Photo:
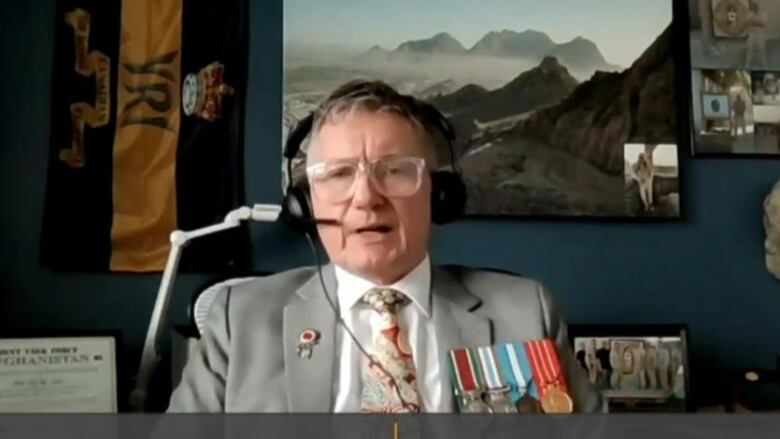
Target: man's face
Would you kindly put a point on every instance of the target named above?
(380, 238)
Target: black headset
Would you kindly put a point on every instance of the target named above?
(448, 191)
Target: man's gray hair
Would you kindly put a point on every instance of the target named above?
(377, 96)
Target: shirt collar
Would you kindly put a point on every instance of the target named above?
(416, 285)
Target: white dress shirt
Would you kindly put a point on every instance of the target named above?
(416, 319)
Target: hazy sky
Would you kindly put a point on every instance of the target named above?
(618, 27)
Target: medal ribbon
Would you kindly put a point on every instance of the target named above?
(541, 375)
(490, 368)
(525, 367)
(457, 383)
(463, 370)
(510, 368)
(545, 365)
(476, 366)
(554, 363)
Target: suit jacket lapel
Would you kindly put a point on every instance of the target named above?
(310, 381)
(457, 325)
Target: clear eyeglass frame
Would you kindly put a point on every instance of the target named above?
(392, 176)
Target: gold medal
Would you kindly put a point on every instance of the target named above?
(549, 376)
(557, 401)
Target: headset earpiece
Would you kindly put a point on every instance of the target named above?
(448, 196)
(296, 210)
(296, 204)
(448, 191)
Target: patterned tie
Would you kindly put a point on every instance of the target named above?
(381, 393)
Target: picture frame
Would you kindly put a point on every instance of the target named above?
(637, 367)
(734, 103)
(61, 372)
(541, 117)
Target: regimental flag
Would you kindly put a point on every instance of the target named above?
(146, 133)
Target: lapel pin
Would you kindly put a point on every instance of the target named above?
(306, 342)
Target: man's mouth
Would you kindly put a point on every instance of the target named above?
(378, 228)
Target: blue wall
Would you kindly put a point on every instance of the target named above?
(706, 271)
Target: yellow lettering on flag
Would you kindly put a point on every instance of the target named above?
(146, 135)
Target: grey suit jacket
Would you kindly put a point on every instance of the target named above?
(246, 360)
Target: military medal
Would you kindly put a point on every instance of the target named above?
(557, 401)
(517, 373)
(548, 374)
(306, 342)
(497, 389)
(528, 405)
(473, 403)
(466, 379)
(498, 400)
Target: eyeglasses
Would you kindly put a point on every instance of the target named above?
(394, 176)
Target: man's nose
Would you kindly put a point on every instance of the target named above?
(366, 195)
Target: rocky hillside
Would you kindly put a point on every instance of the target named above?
(543, 85)
(611, 109)
(582, 54)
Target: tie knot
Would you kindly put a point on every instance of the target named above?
(385, 299)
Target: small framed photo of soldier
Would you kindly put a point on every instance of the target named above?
(723, 112)
(638, 368)
(651, 180)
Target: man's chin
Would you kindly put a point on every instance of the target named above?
(374, 238)
(376, 267)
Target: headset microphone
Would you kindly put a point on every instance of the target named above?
(305, 224)
(326, 222)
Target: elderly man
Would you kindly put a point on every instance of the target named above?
(276, 344)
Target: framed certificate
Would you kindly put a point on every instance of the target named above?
(64, 373)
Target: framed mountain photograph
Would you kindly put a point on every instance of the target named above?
(544, 96)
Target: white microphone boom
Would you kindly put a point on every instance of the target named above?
(151, 355)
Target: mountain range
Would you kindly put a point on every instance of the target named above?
(579, 53)
(526, 44)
